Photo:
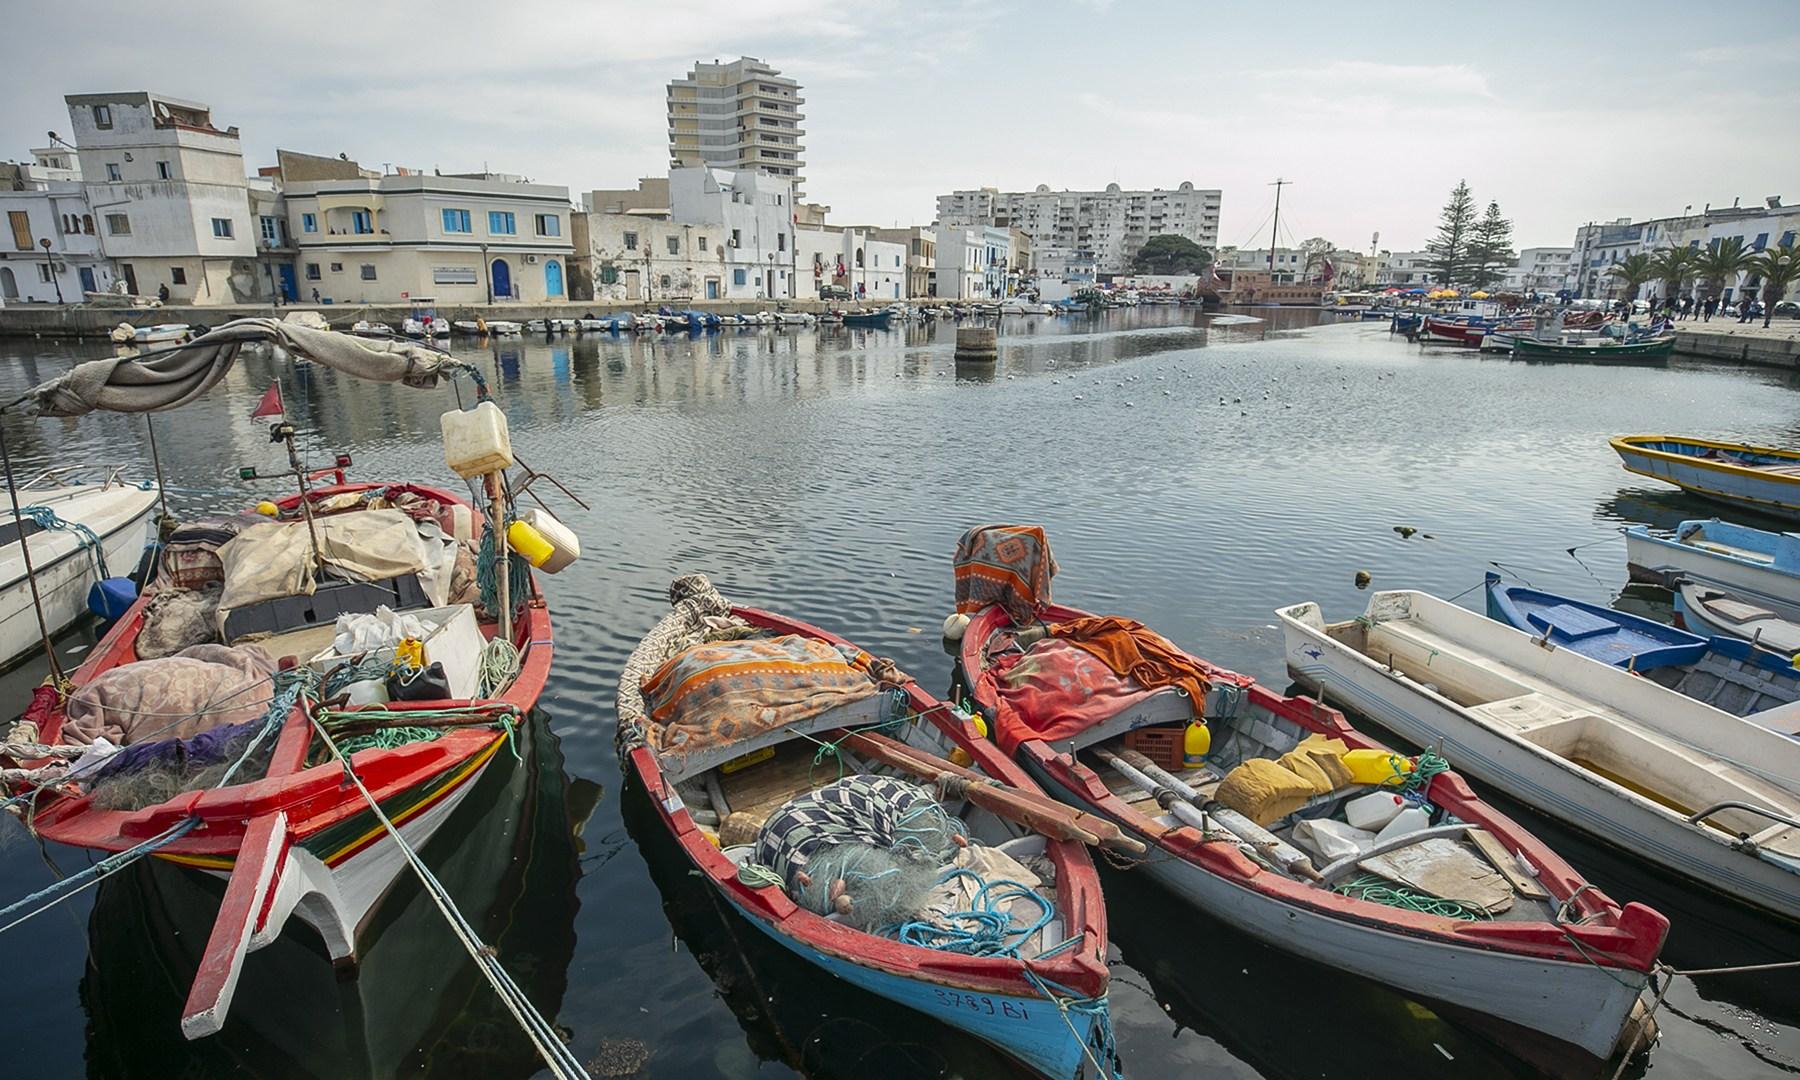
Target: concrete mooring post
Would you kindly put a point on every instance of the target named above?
(977, 345)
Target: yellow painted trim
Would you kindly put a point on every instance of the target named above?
(419, 807)
(1624, 443)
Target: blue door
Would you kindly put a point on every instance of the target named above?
(87, 279)
(553, 278)
(501, 275)
(289, 290)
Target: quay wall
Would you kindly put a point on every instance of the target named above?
(1758, 346)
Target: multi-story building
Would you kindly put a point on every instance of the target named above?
(1114, 224)
(960, 273)
(920, 245)
(753, 214)
(1599, 246)
(50, 252)
(1538, 270)
(1411, 269)
(1289, 265)
(169, 192)
(364, 237)
(741, 115)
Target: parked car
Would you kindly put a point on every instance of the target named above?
(1790, 308)
(834, 292)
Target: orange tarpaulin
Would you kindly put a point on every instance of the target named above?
(1137, 652)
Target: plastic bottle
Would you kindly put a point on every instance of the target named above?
(565, 548)
(1374, 810)
(1196, 741)
(476, 441)
(1409, 820)
(528, 542)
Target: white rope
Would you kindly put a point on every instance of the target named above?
(550, 1047)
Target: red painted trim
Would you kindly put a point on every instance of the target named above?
(1079, 903)
(1627, 937)
(254, 881)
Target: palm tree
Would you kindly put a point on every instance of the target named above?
(1673, 266)
(1716, 265)
(1779, 267)
(1632, 271)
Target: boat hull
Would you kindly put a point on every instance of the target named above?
(1552, 785)
(1579, 1004)
(65, 570)
(1644, 352)
(1675, 461)
(1667, 562)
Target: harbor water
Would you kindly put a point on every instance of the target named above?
(1194, 472)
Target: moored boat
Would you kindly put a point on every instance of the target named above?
(1692, 791)
(1755, 563)
(1454, 331)
(256, 643)
(1048, 679)
(866, 318)
(1706, 608)
(1718, 670)
(79, 536)
(729, 769)
(1598, 350)
(1764, 478)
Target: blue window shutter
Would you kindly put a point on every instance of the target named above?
(1762, 241)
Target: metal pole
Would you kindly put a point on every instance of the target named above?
(305, 503)
(37, 602)
(162, 488)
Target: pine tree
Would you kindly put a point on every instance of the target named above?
(1450, 251)
(1490, 249)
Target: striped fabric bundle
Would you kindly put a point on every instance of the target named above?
(1009, 565)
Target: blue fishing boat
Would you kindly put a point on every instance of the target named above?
(1764, 478)
(866, 318)
(1753, 563)
(1730, 675)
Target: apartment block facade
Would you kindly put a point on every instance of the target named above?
(742, 115)
(1114, 224)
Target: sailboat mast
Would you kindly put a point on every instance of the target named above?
(1275, 226)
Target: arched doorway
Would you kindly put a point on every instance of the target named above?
(553, 285)
(501, 275)
(9, 285)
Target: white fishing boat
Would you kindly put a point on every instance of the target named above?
(363, 328)
(502, 328)
(796, 318)
(1685, 787)
(127, 334)
(429, 327)
(1753, 563)
(1707, 609)
(78, 534)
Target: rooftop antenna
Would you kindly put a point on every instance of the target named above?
(1278, 184)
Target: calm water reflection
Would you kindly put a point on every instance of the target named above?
(1192, 475)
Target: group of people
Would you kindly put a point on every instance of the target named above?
(1671, 309)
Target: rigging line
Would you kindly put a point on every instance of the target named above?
(1254, 233)
(550, 1047)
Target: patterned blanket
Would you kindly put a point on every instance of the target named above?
(1009, 565)
(719, 693)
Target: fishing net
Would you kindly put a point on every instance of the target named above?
(150, 773)
(882, 887)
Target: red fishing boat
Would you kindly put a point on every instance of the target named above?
(727, 788)
(1454, 331)
(1250, 804)
(298, 704)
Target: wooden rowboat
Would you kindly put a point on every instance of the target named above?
(1576, 982)
(1688, 789)
(294, 838)
(1046, 1009)
(1764, 478)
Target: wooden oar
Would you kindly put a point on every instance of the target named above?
(1038, 812)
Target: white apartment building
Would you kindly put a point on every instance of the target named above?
(740, 115)
(961, 264)
(1598, 246)
(366, 238)
(753, 214)
(920, 245)
(1114, 224)
(71, 265)
(1405, 269)
(1289, 265)
(168, 191)
(1539, 270)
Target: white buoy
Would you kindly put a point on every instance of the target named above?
(955, 626)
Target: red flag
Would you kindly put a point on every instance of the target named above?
(270, 405)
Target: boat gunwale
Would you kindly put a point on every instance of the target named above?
(1082, 969)
(1623, 444)
(1629, 935)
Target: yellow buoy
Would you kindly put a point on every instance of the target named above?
(530, 543)
(1195, 743)
(268, 509)
(1376, 766)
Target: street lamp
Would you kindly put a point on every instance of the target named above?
(50, 268)
(487, 275)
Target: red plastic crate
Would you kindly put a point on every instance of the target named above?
(1163, 745)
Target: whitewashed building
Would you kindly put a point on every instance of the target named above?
(367, 238)
(961, 264)
(71, 265)
(1114, 224)
(1403, 269)
(920, 246)
(642, 256)
(169, 195)
(753, 215)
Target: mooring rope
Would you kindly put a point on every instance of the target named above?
(86, 538)
(550, 1047)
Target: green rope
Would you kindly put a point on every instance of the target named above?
(487, 573)
(388, 738)
(1379, 890)
(1427, 765)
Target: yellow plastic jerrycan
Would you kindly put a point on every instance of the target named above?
(1196, 742)
(1377, 767)
(528, 542)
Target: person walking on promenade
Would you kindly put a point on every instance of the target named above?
(1712, 306)
(1745, 307)
(1687, 303)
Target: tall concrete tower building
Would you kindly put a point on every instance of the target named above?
(741, 115)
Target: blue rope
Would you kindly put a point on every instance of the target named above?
(989, 929)
(47, 519)
(1105, 1050)
(58, 891)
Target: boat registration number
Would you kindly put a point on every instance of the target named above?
(981, 1003)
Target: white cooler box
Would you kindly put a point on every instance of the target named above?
(452, 638)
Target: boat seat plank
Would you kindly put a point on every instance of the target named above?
(1572, 623)
(1523, 884)
(762, 788)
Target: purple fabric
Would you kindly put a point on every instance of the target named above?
(207, 748)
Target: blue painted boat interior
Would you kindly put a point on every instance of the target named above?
(1612, 637)
(1781, 548)
(1744, 456)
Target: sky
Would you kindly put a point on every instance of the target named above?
(1562, 113)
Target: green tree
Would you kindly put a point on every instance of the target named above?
(1779, 268)
(1171, 255)
(1720, 263)
(1490, 249)
(1673, 265)
(1456, 228)
(1314, 254)
(1632, 271)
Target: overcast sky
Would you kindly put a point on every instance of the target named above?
(1561, 112)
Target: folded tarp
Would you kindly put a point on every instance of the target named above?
(275, 559)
